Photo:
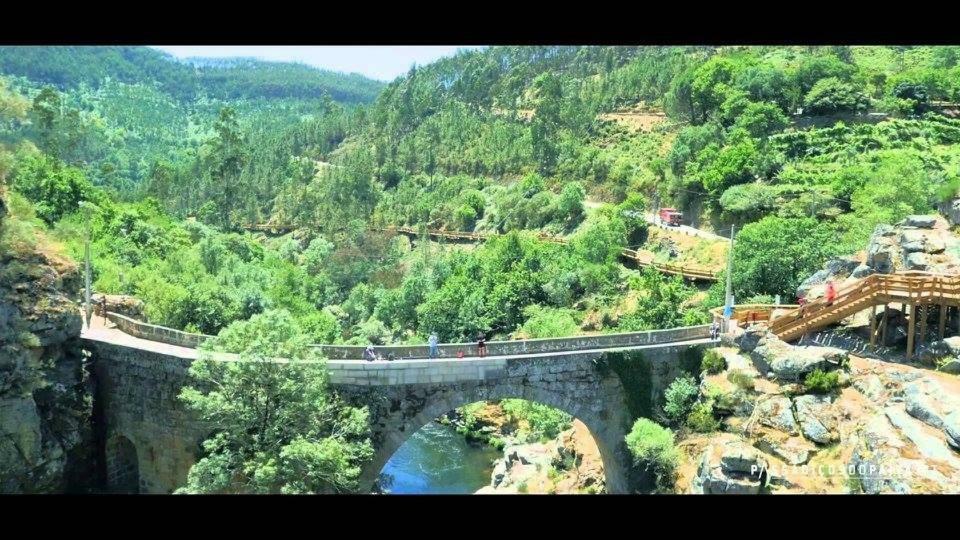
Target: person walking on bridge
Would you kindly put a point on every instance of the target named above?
(481, 344)
(369, 354)
(432, 341)
(831, 293)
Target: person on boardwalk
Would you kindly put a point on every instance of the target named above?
(433, 341)
(802, 301)
(369, 354)
(481, 344)
(831, 293)
(714, 330)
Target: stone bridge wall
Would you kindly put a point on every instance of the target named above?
(152, 332)
(137, 391)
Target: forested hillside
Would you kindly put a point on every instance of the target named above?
(125, 114)
(805, 148)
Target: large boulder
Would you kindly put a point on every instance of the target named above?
(882, 249)
(951, 209)
(916, 261)
(876, 458)
(730, 466)
(750, 338)
(815, 418)
(951, 365)
(835, 269)
(776, 412)
(921, 222)
(793, 363)
(862, 271)
(946, 351)
(925, 400)
(792, 450)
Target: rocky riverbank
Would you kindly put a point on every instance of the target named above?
(567, 463)
(880, 428)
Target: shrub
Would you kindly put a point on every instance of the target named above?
(679, 398)
(820, 382)
(741, 379)
(713, 362)
(652, 446)
(701, 419)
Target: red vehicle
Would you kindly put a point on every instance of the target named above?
(670, 216)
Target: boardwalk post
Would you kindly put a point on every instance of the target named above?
(943, 320)
(873, 326)
(910, 324)
(924, 313)
(87, 211)
(728, 298)
(883, 324)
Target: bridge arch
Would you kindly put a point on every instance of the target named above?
(607, 420)
(123, 465)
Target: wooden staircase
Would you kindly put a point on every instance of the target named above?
(915, 290)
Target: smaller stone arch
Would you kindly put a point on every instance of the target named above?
(123, 466)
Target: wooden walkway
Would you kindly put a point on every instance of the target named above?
(640, 257)
(918, 294)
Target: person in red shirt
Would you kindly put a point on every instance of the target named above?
(831, 293)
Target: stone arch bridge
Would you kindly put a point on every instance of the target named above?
(149, 440)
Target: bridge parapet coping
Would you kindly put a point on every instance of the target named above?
(170, 336)
(157, 333)
(527, 346)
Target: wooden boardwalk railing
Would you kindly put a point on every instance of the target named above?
(640, 257)
(918, 291)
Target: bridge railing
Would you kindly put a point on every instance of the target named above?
(153, 332)
(170, 336)
(747, 313)
(526, 346)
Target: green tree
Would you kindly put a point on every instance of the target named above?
(279, 427)
(679, 398)
(54, 188)
(831, 95)
(229, 155)
(652, 447)
(772, 256)
(546, 121)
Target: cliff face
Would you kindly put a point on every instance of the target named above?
(45, 404)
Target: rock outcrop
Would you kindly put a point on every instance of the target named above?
(784, 361)
(888, 427)
(916, 243)
(45, 403)
(730, 466)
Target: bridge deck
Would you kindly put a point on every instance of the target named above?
(105, 334)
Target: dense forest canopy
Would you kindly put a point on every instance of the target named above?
(804, 148)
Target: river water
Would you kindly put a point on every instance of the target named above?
(436, 459)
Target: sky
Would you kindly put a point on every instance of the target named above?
(377, 62)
